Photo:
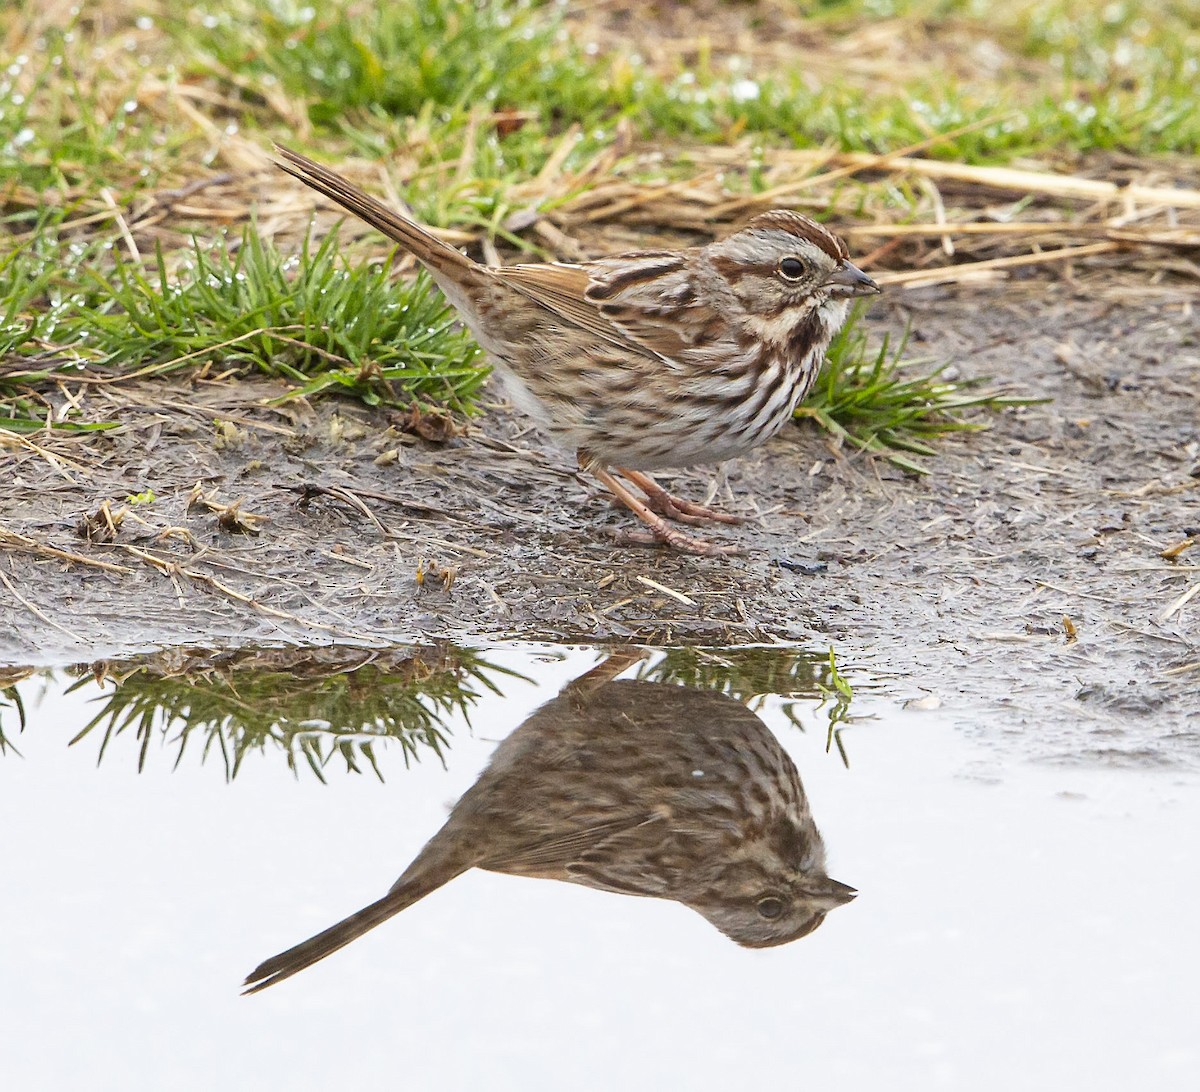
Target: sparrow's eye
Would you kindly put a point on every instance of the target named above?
(791, 269)
(770, 907)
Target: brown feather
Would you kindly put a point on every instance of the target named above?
(560, 288)
(803, 228)
(425, 246)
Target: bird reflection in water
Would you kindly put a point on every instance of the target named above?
(640, 788)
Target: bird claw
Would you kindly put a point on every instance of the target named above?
(659, 533)
(663, 503)
(686, 511)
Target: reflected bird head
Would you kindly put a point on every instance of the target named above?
(776, 911)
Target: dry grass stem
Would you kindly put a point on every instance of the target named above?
(11, 540)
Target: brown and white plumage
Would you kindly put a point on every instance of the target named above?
(649, 359)
(639, 788)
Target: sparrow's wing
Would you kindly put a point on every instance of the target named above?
(642, 302)
(560, 288)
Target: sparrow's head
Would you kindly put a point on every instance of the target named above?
(782, 262)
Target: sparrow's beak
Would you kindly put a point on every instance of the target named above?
(849, 280)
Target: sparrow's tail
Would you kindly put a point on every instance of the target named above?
(425, 247)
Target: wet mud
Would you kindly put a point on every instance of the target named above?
(1022, 582)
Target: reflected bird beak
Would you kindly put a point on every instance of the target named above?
(849, 280)
(829, 893)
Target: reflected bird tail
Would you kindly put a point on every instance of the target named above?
(426, 874)
(286, 964)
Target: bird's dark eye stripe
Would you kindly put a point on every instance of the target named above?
(792, 268)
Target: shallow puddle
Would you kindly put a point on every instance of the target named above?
(172, 822)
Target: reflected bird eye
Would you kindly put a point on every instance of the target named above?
(770, 907)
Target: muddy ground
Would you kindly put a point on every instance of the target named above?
(957, 583)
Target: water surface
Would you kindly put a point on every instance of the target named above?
(1017, 924)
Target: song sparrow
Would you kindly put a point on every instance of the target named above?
(650, 359)
(634, 787)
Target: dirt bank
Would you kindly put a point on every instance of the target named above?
(958, 582)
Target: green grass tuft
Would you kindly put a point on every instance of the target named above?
(869, 399)
(40, 296)
(313, 318)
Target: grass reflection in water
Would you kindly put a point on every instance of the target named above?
(313, 704)
(317, 704)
